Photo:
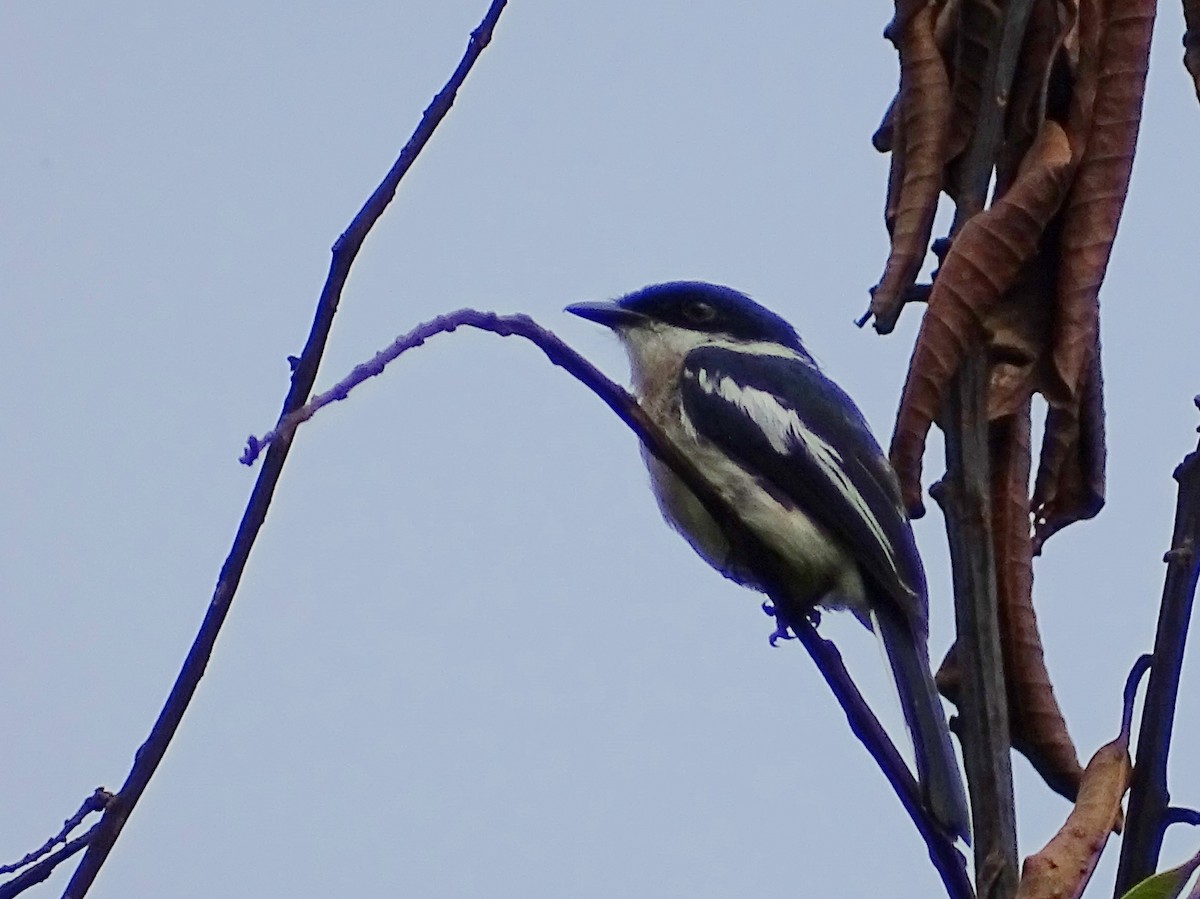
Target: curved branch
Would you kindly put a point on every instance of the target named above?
(1176, 815)
(949, 863)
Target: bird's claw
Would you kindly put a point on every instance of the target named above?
(781, 633)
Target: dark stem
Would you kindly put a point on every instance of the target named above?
(983, 708)
(1148, 796)
(965, 501)
(949, 863)
(304, 374)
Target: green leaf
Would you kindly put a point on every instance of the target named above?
(1166, 884)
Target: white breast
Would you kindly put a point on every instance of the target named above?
(821, 571)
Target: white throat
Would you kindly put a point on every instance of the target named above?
(656, 352)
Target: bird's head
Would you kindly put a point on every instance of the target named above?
(693, 312)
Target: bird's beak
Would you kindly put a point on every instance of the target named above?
(607, 313)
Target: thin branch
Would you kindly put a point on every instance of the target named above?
(304, 374)
(1176, 815)
(917, 293)
(97, 802)
(949, 863)
(43, 869)
(1148, 795)
(1133, 680)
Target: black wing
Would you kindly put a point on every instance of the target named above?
(787, 423)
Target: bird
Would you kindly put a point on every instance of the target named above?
(732, 386)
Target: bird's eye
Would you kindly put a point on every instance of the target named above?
(699, 312)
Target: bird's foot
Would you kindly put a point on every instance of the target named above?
(783, 631)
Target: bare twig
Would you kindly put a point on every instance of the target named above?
(949, 863)
(94, 803)
(946, 859)
(304, 374)
(1148, 795)
(43, 869)
(1133, 680)
(1176, 815)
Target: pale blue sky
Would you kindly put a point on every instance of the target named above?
(467, 658)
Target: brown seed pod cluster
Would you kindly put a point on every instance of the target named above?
(1021, 279)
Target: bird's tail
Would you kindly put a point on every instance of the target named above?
(937, 766)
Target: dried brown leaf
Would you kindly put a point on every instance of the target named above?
(983, 264)
(1018, 338)
(1009, 389)
(976, 27)
(895, 182)
(946, 26)
(1044, 36)
(1062, 869)
(905, 11)
(924, 107)
(1036, 722)
(1071, 482)
(884, 138)
(1093, 209)
(1085, 49)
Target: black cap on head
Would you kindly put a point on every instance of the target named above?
(700, 306)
